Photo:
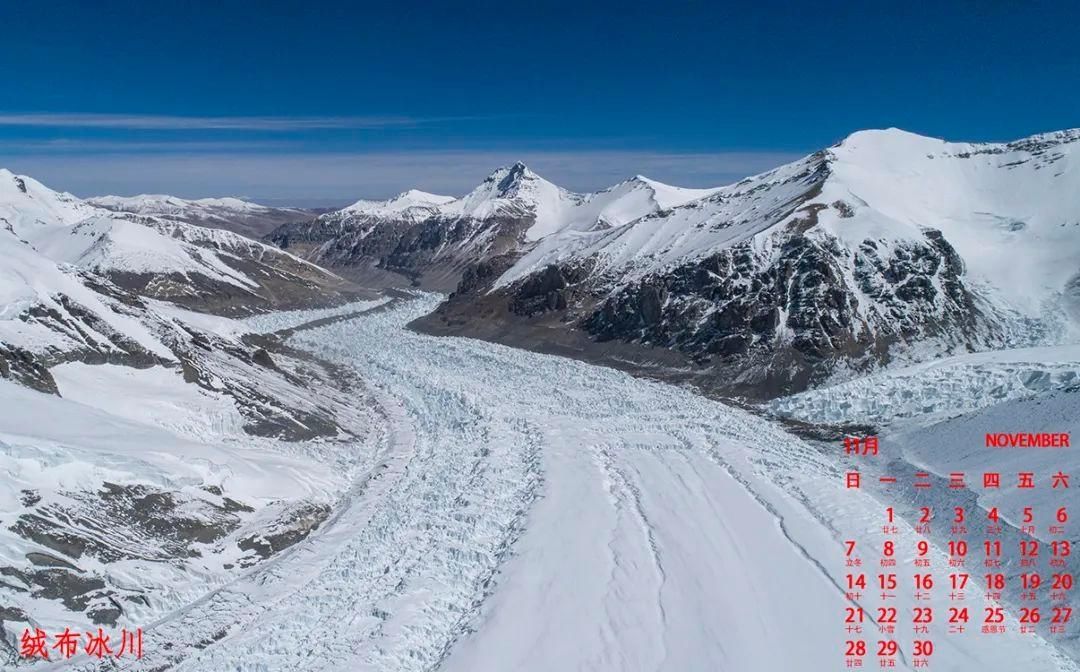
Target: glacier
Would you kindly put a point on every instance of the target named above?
(530, 512)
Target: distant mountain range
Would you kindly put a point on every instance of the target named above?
(433, 240)
(250, 219)
(888, 246)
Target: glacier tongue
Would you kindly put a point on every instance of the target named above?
(932, 391)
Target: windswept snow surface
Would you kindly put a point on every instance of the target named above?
(530, 512)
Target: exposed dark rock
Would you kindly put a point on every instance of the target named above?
(541, 292)
(294, 526)
(482, 273)
(26, 368)
(767, 323)
(46, 560)
(12, 614)
(844, 210)
(75, 591)
(263, 358)
(729, 305)
(433, 253)
(170, 526)
(105, 615)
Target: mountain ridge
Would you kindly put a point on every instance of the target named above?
(431, 243)
(233, 214)
(886, 247)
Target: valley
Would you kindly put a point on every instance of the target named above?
(568, 431)
(532, 509)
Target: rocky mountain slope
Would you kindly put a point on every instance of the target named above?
(158, 257)
(232, 214)
(432, 241)
(139, 439)
(886, 247)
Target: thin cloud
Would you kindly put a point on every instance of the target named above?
(184, 123)
(75, 146)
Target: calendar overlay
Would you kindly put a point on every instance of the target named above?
(982, 553)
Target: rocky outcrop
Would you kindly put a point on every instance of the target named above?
(432, 253)
(792, 316)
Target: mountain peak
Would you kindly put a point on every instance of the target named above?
(507, 178)
(418, 197)
(878, 137)
(18, 180)
(648, 183)
(406, 201)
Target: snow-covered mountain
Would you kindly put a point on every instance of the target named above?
(159, 257)
(888, 246)
(411, 205)
(232, 483)
(81, 283)
(122, 407)
(233, 214)
(434, 240)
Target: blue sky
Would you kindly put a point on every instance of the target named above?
(317, 103)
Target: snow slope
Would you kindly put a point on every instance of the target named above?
(934, 418)
(64, 238)
(29, 280)
(162, 204)
(657, 226)
(67, 230)
(134, 488)
(1011, 211)
(993, 202)
(105, 243)
(151, 434)
(958, 444)
(556, 210)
